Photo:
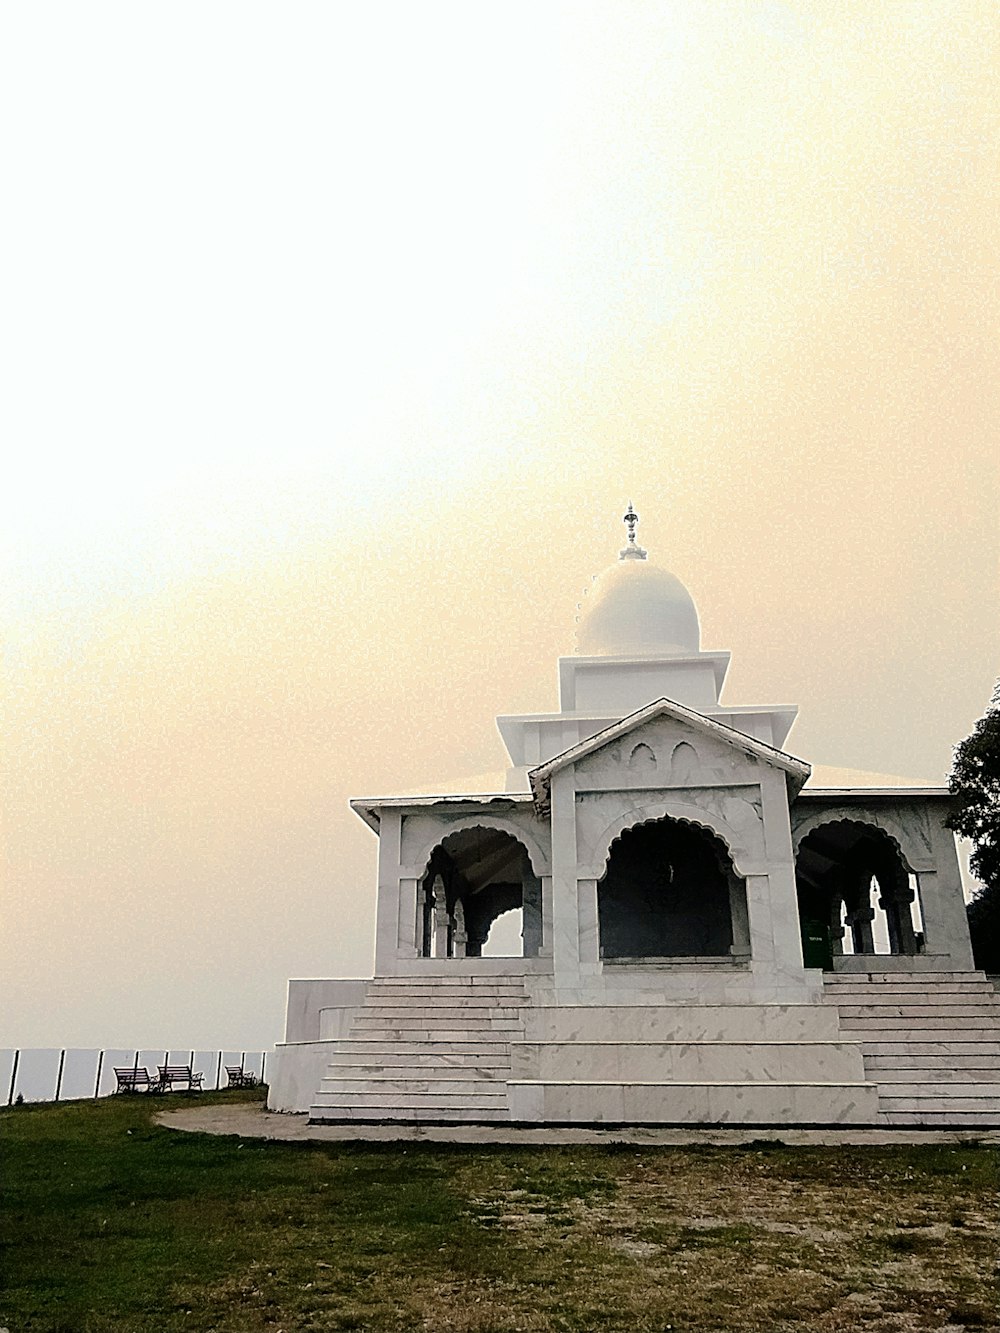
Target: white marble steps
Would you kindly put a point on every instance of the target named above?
(931, 1042)
(682, 1021)
(425, 1049)
(685, 1063)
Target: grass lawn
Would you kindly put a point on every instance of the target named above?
(111, 1223)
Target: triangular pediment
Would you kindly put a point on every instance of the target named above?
(669, 744)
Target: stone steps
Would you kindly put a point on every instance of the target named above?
(417, 1015)
(425, 1050)
(682, 1062)
(903, 979)
(682, 1022)
(931, 1041)
(922, 1071)
(365, 1113)
(496, 1049)
(937, 1014)
(691, 1102)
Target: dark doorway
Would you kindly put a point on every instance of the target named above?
(667, 893)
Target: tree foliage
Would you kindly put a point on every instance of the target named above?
(975, 781)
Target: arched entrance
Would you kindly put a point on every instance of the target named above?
(474, 876)
(670, 891)
(854, 894)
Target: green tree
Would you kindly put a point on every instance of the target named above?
(975, 781)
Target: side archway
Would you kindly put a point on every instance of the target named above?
(537, 854)
(854, 892)
(473, 876)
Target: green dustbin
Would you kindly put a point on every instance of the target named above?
(816, 948)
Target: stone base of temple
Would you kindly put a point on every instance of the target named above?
(479, 1050)
(880, 1048)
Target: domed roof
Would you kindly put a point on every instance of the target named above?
(636, 609)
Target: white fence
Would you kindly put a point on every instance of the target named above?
(51, 1075)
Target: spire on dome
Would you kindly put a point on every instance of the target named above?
(632, 551)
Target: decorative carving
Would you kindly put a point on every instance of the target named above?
(426, 830)
(603, 816)
(907, 826)
(681, 758)
(684, 764)
(642, 759)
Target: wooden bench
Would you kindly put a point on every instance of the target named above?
(135, 1079)
(171, 1075)
(240, 1077)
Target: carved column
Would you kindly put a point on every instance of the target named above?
(459, 938)
(896, 905)
(441, 919)
(860, 922)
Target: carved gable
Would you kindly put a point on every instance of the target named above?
(665, 752)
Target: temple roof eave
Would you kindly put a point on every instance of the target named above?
(369, 808)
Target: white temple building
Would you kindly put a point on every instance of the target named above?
(708, 937)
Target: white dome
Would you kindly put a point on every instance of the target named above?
(636, 609)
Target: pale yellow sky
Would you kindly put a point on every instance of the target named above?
(337, 339)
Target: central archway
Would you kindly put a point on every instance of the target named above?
(669, 890)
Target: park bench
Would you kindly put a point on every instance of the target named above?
(171, 1075)
(240, 1077)
(135, 1079)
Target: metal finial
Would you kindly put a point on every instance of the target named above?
(632, 551)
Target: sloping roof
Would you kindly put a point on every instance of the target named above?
(796, 769)
(368, 808)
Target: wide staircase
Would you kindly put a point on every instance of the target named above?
(689, 1064)
(426, 1049)
(930, 1040)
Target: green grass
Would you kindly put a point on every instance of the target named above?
(112, 1223)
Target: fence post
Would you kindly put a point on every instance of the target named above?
(218, 1072)
(97, 1080)
(13, 1078)
(59, 1076)
(263, 1065)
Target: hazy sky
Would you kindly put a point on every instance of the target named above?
(335, 340)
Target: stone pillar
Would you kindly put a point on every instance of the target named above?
(741, 921)
(837, 931)
(565, 902)
(589, 927)
(946, 927)
(896, 905)
(545, 949)
(773, 900)
(531, 915)
(759, 921)
(441, 919)
(860, 922)
(459, 938)
(408, 937)
(387, 905)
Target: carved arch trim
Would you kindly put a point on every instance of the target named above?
(537, 856)
(648, 814)
(907, 846)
